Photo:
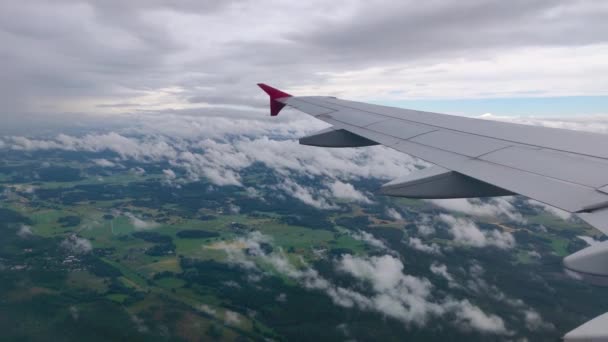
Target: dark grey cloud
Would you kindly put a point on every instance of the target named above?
(62, 50)
(104, 55)
(409, 30)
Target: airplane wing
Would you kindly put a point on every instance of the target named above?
(473, 157)
(477, 158)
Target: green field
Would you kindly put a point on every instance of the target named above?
(132, 258)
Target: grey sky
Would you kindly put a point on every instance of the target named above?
(80, 56)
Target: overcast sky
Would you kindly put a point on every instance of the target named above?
(115, 56)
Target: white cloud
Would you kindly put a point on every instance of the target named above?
(562, 214)
(393, 293)
(425, 229)
(206, 152)
(140, 325)
(286, 156)
(470, 317)
(24, 231)
(534, 321)
(394, 214)
(369, 239)
(231, 318)
(493, 207)
(218, 149)
(234, 209)
(252, 243)
(215, 170)
(140, 224)
(138, 171)
(169, 174)
(417, 244)
(346, 191)
(424, 226)
(25, 144)
(589, 240)
(253, 192)
(76, 244)
(397, 294)
(104, 162)
(28, 189)
(207, 309)
(467, 233)
(141, 149)
(442, 271)
(306, 195)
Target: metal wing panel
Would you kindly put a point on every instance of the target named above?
(378, 137)
(433, 155)
(465, 144)
(584, 143)
(305, 106)
(400, 129)
(592, 172)
(357, 118)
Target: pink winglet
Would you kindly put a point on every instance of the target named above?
(275, 106)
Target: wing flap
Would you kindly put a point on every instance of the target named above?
(438, 182)
(333, 137)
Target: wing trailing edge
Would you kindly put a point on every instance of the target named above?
(334, 137)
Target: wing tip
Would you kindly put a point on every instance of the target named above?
(274, 93)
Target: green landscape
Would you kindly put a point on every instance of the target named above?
(97, 253)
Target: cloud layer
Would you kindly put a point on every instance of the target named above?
(393, 293)
(84, 56)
